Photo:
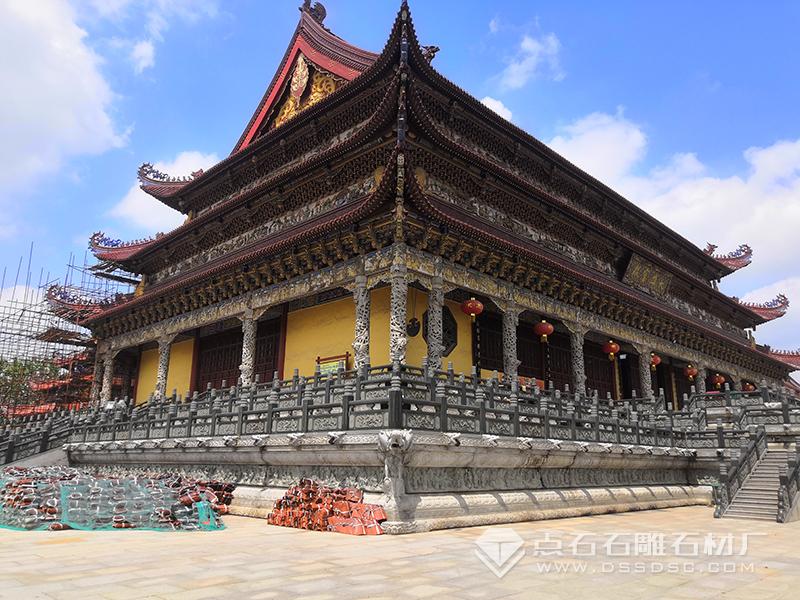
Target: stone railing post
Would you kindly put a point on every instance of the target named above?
(395, 404)
(361, 297)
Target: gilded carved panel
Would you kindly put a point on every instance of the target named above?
(644, 275)
(301, 94)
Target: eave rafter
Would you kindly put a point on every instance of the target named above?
(790, 357)
(116, 250)
(738, 259)
(768, 311)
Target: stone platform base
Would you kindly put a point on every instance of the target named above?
(444, 511)
(424, 480)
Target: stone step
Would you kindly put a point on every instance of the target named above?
(754, 509)
(751, 495)
(754, 505)
(728, 515)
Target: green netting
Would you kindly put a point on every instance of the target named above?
(59, 498)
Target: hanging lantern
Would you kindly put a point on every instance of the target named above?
(655, 360)
(611, 348)
(690, 372)
(543, 329)
(718, 380)
(749, 387)
(472, 307)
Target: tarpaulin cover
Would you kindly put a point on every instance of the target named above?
(57, 498)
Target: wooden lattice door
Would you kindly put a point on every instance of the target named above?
(268, 340)
(218, 359)
(599, 370)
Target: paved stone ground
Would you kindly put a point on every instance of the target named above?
(648, 558)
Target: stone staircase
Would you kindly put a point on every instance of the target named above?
(758, 496)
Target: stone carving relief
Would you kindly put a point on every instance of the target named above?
(510, 322)
(249, 329)
(496, 216)
(398, 339)
(361, 295)
(432, 328)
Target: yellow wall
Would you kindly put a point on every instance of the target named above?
(323, 330)
(179, 375)
(461, 356)
(146, 379)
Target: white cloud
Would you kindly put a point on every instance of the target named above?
(587, 142)
(141, 214)
(143, 55)
(154, 18)
(494, 25)
(497, 106)
(534, 57)
(782, 333)
(759, 206)
(56, 103)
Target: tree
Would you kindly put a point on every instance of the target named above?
(16, 377)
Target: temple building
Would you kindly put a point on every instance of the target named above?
(372, 212)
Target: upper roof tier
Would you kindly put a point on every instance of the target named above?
(342, 70)
(316, 62)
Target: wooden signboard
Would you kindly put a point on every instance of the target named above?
(330, 364)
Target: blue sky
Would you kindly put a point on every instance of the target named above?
(687, 108)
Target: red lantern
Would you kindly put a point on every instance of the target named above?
(718, 380)
(749, 387)
(543, 329)
(690, 372)
(611, 348)
(655, 360)
(472, 307)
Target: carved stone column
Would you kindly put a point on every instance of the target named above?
(97, 379)
(645, 376)
(249, 328)
(736, 384)
(700, 380)
(164, 347)
(108, 377)
(361, 296)
(510, 360)
(576, 334)
(398, 339)
(435, 332)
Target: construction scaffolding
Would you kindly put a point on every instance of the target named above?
(46, 357)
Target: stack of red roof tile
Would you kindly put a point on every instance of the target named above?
(311, 505)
